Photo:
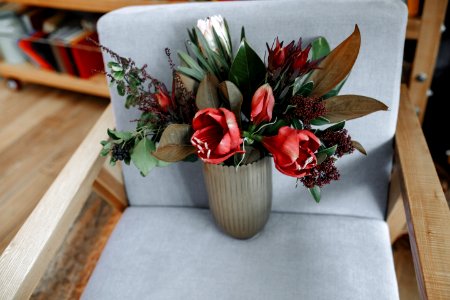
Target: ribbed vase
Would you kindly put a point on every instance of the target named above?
(240, 199)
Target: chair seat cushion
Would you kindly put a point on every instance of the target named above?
(178, 253)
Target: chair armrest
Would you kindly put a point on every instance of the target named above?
(426, 208)
(25, 260)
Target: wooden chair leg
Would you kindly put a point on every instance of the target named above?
(109, 186)
(396, 217)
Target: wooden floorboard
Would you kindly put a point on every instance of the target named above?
(39, 130)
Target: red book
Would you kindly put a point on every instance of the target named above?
(87, 55)
(26, 45)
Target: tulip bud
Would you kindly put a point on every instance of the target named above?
(263, 102)
(163, 98)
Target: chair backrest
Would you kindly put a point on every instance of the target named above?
(143, 32)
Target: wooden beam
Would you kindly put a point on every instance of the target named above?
(427, 49)
(109, 186)
(396, 217)
(427, 212)
(25, 260)
(413, 28)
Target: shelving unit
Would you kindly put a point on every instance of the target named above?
(426, 29)
(95, 85)
(99, 6)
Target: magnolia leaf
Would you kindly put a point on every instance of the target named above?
(336, 66)
(315, 192)
(247, 72)
(188, 83)
(142, 158)
(231, 92)
(207, 93)
(320, 48)
(176, 134)
(348, 107)
(174, 144)
(174, 153)
(359, 147)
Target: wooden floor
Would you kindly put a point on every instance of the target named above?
(39, 129)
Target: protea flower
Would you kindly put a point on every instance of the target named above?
(217, 23)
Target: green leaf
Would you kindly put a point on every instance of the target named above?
(207, 93)
(359, 147)
(305, 89)
(231, 92)
(191, 73)
(190, 62)
(123, 135)
(121, 88)
(242, 33)
(174, 144)
(112, 64)
(119, 75)
(298, 124)
(142, 157)
(321, 158)
(247, 72)
(348, 107)
(199, 55)
(116, 68)
(337, 65)
(328, 151)
(216, 60)
(320, 121)
(335, 91)
(315, 193)
(337, 126)
(130, 101)
(320, 48)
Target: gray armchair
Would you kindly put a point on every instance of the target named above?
(166, 246)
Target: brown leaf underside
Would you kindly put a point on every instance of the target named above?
(348, 107)
(336, 66)
(174, 144)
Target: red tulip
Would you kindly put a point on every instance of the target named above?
(262, 104)
(217, 136)
(293, 151)
(163, 98)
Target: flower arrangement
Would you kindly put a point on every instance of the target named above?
(234, 108)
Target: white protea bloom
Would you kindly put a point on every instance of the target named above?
(206, 28)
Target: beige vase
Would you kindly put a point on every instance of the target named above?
(240, 199)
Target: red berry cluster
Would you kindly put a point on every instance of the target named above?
(322, 174)
(306, 108)
(339, 138)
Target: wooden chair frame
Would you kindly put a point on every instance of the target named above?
(26, 258)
